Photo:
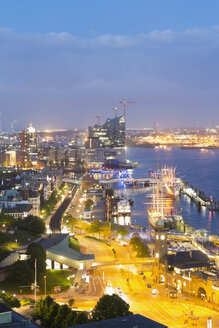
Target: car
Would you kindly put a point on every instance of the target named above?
(154, 291)
(141, 273)
(148, 286)
(144, 277)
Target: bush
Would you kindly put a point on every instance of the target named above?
(10, 300)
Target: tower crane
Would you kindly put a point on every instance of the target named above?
(124, 101)
(98, 118)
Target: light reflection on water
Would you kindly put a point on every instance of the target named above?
(199, 168)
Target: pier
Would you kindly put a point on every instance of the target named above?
(199, 197)
(132, 181)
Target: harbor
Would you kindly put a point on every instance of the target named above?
(196, 217)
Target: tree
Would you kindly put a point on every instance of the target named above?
(10, 300)
(70, 221)
(46, 310)
(22, 273)
(71, 302)
(139, 248)
(95, 227)
(82, 318)
(64, 317)
(3, 238)
(106, 229)
(36, 251)
(122, 231)
(88, 204)
(33, 224)
(109, 307)
(8, 220)
(54, 315)
(5, 164)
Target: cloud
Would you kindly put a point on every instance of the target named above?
(61, 80)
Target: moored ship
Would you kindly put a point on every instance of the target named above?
(161, 213)
(167, 180)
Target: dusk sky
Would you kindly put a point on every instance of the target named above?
(62, 62)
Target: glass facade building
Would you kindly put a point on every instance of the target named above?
(109, 135)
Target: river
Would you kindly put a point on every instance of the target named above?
(200, 168)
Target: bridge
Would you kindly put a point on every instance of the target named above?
(115, 180)
(130, 180)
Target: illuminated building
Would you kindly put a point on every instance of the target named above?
(186, 271)
(109, 135)
(29, 143)
(10, 157)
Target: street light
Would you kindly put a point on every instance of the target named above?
(45, 284)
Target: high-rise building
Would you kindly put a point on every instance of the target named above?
(109, 135)
(29, 142)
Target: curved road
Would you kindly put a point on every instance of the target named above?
(55, 221)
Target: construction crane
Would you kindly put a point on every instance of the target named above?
(115, 109)
(98, 118)
(124, 101)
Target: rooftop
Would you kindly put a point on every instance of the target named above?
(17, 320)
(132, 321)
(188, 259)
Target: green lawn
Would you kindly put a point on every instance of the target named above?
(53, 278)
(74, 244)
(19, 238)
(57, 278)
(26, 301)
(11, 287)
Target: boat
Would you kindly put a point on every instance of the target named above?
(161, 213)
(123, 216)
(167, 180)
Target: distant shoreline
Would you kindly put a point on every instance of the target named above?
(172, 145)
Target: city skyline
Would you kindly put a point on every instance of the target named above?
(81, 59)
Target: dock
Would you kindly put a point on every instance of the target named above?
(199, 197)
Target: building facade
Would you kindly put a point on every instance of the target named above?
(185, 271)
(109, 135)
(29, 144)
